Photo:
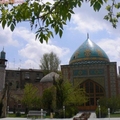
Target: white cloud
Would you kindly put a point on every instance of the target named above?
(86, 20)
(28, 50)
(6, 37)
(112, 49)
(33, 50)
(85, 23)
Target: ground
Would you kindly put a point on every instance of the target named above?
(92, 117)
(60, 119)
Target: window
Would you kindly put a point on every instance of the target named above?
(93, 90)
(27, 76)
(17, 84)
(17, 74)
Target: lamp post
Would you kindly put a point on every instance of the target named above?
(99, 111)
(109, 113)
(64, 111)
(41, 113)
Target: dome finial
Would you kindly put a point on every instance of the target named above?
(87, 35)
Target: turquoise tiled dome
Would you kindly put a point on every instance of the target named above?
(89, 52)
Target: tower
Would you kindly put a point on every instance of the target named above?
(2, 69)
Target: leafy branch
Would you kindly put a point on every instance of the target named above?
(113, 13)
(48, 19)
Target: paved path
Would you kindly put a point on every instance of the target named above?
(58, 119)
(92, 117)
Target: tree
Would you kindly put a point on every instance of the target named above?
(68, 95)
(4, 100)
(48, 18)
(63, 93)
(48, 99)
(49, 62)
(31, 98)
(112, 103)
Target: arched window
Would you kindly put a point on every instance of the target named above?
(94, 92)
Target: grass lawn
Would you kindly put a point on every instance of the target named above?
(21, 115)
(115, 115)
(14, 115)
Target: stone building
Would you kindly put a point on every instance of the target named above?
(91, 69)
(17, 80)
(47, 81)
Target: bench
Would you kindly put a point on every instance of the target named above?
(36, 114)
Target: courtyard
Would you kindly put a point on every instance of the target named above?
(60, 119)
(92, 117)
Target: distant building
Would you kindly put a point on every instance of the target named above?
(91, 69)
(47, 81)
(17, 80)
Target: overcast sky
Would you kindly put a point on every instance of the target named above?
(23, 51)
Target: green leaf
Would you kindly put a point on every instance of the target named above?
(56, 29)
(41, 39)
(100, 2)
(79, 4)
(97, 6)
(12, 27)
(47, 22)
(115, 20)
(69, 16)
(48, 3)
(60, 33)
(92, 2)
(105, 1)
(8, 24)
(3, 23)
(118, 15)
(106, 17)
(114, 25)
(33, 19)
(71, 11)
(118, 5)
(108, 8)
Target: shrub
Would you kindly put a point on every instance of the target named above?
(58, 114)
(70, 111)
(1, 105)
(18, 114)
(103, 112)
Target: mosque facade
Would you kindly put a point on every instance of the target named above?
(91, 69)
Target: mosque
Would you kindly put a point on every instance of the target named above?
(90, 68)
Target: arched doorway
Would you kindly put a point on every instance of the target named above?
(94, 92)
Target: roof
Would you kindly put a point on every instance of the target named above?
(89, 52)
(49, 77)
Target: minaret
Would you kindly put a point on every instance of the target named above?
(2, 69)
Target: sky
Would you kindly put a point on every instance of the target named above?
(23, 51)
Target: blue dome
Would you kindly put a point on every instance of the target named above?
(89, 52)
